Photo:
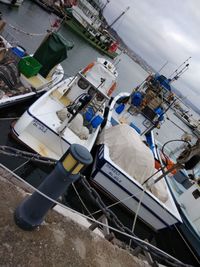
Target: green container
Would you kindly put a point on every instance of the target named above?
(29, 66)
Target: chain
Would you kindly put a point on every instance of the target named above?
(114, 219)
(11, 151)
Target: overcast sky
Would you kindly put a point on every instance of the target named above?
(161, 31)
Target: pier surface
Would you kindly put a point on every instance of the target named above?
(59, 241)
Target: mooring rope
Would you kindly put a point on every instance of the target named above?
(24, 32)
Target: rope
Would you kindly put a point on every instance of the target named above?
(112, 217)
(26, 33)
(187, 244)
(118, 202)
(82, 202)
(20, 166)
(137, 211)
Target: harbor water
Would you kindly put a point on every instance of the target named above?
(28, 24)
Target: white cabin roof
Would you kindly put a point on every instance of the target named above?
(106, 71)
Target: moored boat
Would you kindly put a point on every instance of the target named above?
(186, 193)
(85, 18)
(124, 160)
(187, 118)
(24, 76)
(71, 112)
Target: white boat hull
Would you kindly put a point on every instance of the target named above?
(59, 118)
(121, 187)
(29, 130)
(57, 76)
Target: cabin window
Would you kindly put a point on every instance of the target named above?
(91, 91)
(99, 97)
(196, 194)
(83, 84)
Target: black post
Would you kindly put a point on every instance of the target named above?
(30, 213)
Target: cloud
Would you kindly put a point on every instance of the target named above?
(162, 31)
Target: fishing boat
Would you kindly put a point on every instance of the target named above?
(23, 76)
(71, 112)
(84, 18)
(124, 158)
(187, 118)
(186, 193)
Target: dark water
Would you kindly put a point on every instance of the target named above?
(32, 19)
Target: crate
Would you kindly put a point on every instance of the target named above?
(18, 51)
(29, 66)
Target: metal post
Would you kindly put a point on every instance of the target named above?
(30, 213)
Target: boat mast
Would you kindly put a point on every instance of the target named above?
(178, 72)
(107, 2)
(109, 26)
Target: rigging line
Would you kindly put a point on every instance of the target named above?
(118, 202)
(120, 23)
(176, 124)
(129, 197)
(95, 221)
(20, 166)
(136, 214)
(185, 241)
(82, 202)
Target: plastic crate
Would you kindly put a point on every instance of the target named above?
(18, 51)
(29, 66)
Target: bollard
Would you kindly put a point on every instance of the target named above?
(30, 213)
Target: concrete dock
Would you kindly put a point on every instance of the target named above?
(59, 241)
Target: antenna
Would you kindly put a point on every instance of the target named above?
(163, 66)
(107, 2)
(176, 71)
(178, 74)
(119, 17)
